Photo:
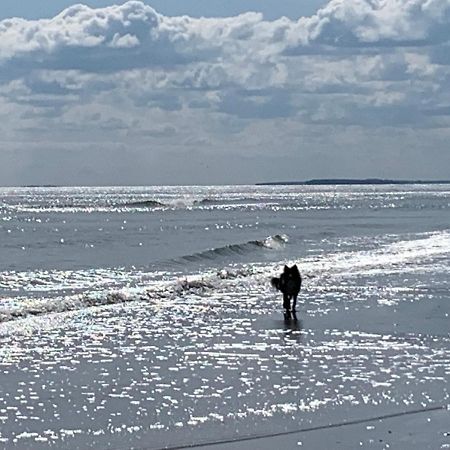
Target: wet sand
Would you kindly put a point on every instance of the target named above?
(415, 431)
(219, 365)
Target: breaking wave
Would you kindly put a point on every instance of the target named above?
(161, 292)
(272, 242)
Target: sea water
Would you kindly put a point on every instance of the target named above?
(136, 313)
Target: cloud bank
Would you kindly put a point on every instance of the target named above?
(360, 88)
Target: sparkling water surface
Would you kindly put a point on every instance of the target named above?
(144, 317)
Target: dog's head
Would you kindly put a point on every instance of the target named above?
(291, 272)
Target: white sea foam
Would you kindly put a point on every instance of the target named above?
(394, 256)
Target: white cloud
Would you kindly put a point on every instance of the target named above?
(385, 22)
(126, 41)
(129, 75)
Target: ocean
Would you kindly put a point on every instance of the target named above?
(143, 317)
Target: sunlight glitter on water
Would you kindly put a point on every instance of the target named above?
(182, 339)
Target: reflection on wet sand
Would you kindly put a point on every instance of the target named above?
(292, 326)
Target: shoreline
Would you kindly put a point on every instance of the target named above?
(352, 182)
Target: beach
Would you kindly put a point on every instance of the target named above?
(144, 318)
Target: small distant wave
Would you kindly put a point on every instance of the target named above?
(272, 242)
(230, 201)
(177, 203)
(144, 204)
(59, 207)
(206, 201)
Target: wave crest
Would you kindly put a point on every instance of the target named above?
(275, 242)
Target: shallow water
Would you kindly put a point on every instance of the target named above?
(144, 317)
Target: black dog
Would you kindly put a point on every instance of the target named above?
(289, 283)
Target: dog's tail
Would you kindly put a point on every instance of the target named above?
(275, 282)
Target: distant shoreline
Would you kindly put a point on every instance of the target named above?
(349, 181)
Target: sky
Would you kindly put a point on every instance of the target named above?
(214, 92)
(272, 9)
